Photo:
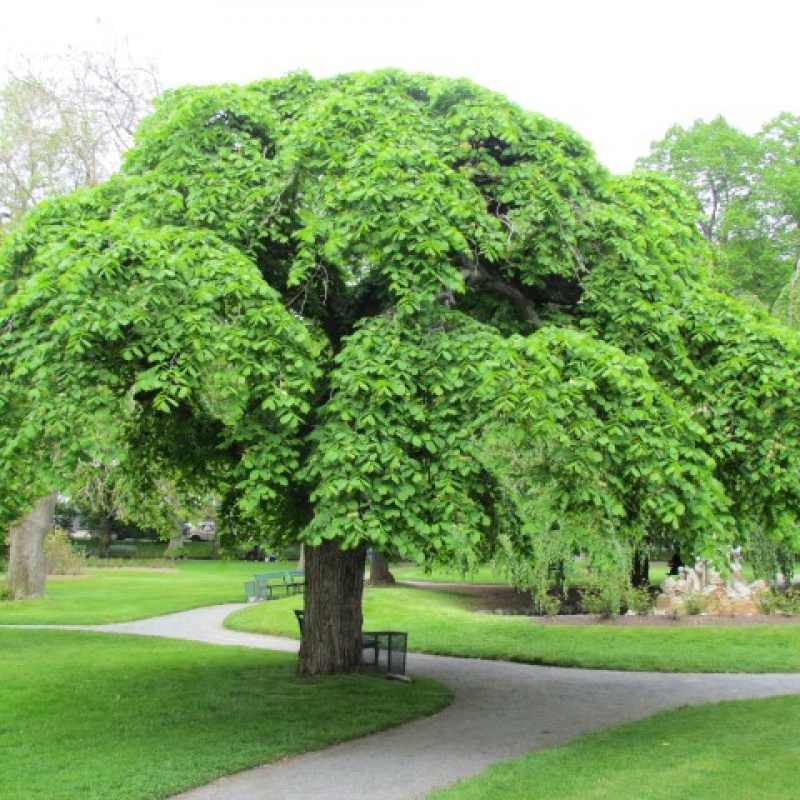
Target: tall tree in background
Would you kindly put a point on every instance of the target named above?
(781, 144)
(63, 125)
(747, 187)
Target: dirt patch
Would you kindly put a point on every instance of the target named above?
(498, 599)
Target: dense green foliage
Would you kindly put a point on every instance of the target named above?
(697, 752)
(347, 305)
(134, 717)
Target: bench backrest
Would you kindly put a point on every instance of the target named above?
(268, 577)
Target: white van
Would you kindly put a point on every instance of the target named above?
(205, 531)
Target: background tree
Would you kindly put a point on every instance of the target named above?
(322, 298)
(62, 126)
(747, 187)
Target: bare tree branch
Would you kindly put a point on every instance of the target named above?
(479, 274)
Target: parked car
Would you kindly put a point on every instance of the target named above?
(202, 532)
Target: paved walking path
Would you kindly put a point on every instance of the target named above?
(501, 710)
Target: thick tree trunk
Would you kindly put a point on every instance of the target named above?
(26, 565)
(379, 572)
(331, 641)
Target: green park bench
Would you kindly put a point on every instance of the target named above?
(122, 550)
(269, 585)
(296, 581)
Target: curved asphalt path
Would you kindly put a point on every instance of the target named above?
(501, 710)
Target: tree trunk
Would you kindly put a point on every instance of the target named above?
(379, 572)
(175, 541)
(640, 572)
(331, 641)
(105, 534)
(26, 565)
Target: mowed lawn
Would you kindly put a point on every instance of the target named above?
(90, 715)
(127, 593)
(739, 750)
(96, 716)
(440, 622)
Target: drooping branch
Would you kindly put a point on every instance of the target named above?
(477, 273)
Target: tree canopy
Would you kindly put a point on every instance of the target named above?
(382, 310)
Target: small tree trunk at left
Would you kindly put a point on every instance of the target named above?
(26, 565)
(331, 641)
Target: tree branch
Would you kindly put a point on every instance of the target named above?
(479, 274)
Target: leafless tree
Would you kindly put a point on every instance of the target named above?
(65, 123)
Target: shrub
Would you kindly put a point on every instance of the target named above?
(639, 600)
(602, 600)
(547, 605)
(695, 604)
(176, 553)
(768, 603)
(5, 592)
(791, 601)
(786, 602)
(61, 558)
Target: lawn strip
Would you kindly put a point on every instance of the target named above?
(738, 750)
(438, 622)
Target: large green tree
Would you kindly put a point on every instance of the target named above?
(330, 300)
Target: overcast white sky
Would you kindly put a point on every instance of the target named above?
(619, 71)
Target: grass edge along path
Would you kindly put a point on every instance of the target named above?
(738, 750)
(439, 623)
(96, 716)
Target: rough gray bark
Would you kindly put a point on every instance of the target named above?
(26, 565)
(379, 572)
(331, 641)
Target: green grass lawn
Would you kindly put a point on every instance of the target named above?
(738, 750)
(122, 594)
(440, 622)
(92, 715)
(106, 716)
